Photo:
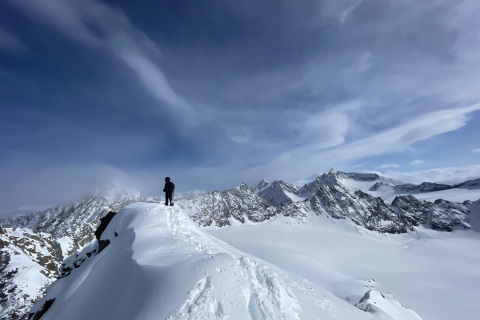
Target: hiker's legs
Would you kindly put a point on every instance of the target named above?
(168, 197)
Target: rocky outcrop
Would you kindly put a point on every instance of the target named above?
(365, 177)
(385, 306)
(260, 186)
(104, 221)
(363, 209)
(424, 187)
(469, 184)
(76, 260)
(25, 254)
(38, 315)
(309, 189)
(440, 215)
(220, 209)
(277, 193)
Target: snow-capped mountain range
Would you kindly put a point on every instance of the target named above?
(35, 245)
(336, 194)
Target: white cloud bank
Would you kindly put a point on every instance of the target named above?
(449, 175)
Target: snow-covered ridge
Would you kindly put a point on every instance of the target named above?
(57, 233)
(177, 271)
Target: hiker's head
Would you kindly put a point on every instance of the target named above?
(167, 179)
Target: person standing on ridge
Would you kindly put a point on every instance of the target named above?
(168, 189)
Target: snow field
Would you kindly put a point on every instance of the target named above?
(435, 274)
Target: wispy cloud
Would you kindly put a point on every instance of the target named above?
(348, 10)
(361, 64)
(416, 162)
(11, 44)
(325, 130)
(155, 81)
(390, 165)
(82, 21)
(303, 160)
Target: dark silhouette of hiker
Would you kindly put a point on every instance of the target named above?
(169, 188)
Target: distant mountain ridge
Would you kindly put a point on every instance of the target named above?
(428, 186)
(328, 195)
(469, 184)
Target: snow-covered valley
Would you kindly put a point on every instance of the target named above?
(436, 274)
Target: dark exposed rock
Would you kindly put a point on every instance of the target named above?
(469, 184)
(261, 185)
(309, 189)
(37, 315)
(298, 210)
(76, 261)
(4, 261)
(441, 215)
(219, 208)
(359, 176)
(377, 215)
(424, 187)
(363, 209)
(276, 193)
(102, 244)
(104, 221)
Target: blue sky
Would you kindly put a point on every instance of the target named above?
(215, 93)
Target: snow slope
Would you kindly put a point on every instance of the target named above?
(27, 267)
(162, 266)
(436, 274)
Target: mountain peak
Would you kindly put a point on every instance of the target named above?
(260, 186)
